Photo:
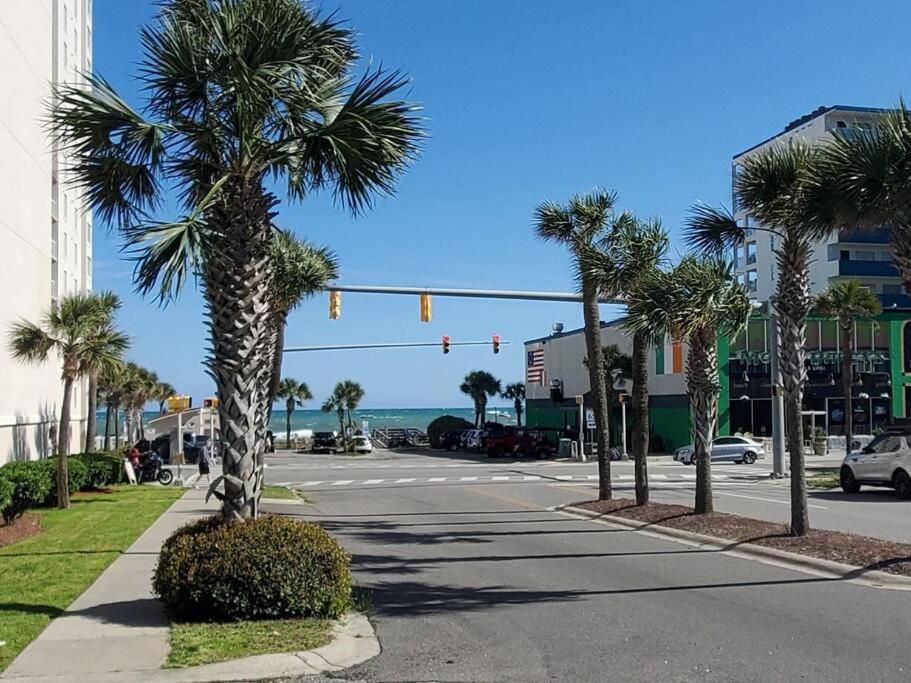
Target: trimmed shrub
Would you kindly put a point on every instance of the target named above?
(77, 474)
(31, 483)
(268, 568)
(443, 424)
(102, 469)
(6, 492)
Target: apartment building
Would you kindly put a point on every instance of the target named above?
(861, 254)
(45, 225)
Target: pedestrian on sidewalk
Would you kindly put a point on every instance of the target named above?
(206, 460)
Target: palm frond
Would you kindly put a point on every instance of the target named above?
(553, 223)
(167, 255)
(28, 343)
(301, 269)
(712, 230)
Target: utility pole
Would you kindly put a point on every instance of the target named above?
(778, 454)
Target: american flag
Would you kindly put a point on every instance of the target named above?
(534, 366)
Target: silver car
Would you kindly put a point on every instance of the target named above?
(727, 449)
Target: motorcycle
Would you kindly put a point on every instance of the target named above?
(151, 469)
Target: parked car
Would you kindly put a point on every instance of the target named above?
(451, 440)
(885, 461)
(727, 449)
(519, 441)
(361, 444)
(326, 442)
(474, 440)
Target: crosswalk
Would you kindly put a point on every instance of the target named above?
(739, 477)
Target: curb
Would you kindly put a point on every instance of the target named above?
(283, 501)
(353, 642)
(873, 578)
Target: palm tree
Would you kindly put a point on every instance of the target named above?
(775, 187)
(242, 95)
(846, 301)
(631, 251)
(695, 302)
(354, 394)
(72, 330)
(515, 392)
(163, 391)
(301, 270)
(109, 304)
(579, 225)
(862, 179)
(479, 384)
(337, 402)
(294, 393)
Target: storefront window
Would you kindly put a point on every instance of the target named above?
(863, 335)
(756, 335)
(828, 335)
(812, 335)
(739, 343)
(881, 336)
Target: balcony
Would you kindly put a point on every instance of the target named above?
(854, 268)
(895, 300)
(859, 236)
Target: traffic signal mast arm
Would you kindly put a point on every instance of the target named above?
(388, 345)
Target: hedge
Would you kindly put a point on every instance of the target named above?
(268, 568)
(33, 483)
(445, 423)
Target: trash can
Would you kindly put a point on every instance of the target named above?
(565, 449)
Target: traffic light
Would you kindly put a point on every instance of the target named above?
(426, 309)
(210, 402)
(178, 403)
(496, 343)
(445, 343)
(335, 304)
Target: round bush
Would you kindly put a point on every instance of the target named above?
(31, 482)
(102, 469)
(6, 492)
(268, 568)
(77, 475)
(443, 424)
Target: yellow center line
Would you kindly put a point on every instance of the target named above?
(506, 499)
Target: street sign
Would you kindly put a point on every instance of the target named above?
(590, 418)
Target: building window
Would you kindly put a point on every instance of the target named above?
(864, 256)
(752, 281)
(828, 335)
(863, 335)
(812, 335)
(893, 289)
(844, 255)
(756, 335)
(881, 336)
(885, 256)
(751, 253)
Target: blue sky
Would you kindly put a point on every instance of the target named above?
(525, 101)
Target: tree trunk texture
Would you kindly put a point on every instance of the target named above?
(278, 323)
(140, 427)
(901, 248)
(792, 302)
(518, 407)
(703, 387)
(116, 426)
(63, 445)
(238, 279)
(847, 379)
(289, 406)
(91, 421)
(592, 317)
(107, 426)
(640, 417)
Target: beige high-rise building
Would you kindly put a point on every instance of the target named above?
(45, 225)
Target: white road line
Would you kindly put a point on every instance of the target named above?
(343, 482)
(770, 500)
(468, 478)
(625, 476)
(374, 481)
(657, 476)
(500, 478)
(564, 477)
(531, 478)
(591, 477)
(436, 479)
(310, 483)
(403, 481)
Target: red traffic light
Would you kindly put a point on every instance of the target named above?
(445, 343)
(496, 343)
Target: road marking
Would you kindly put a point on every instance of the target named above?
(468, 478)
(374, 481)
(500, 478)
(657, 476)
(769, 500)
(343, 482)
(625, 476)
(532, 477)
(506, 499)
(310, 483)
(437, 479)
(564, 477)
(403, 481)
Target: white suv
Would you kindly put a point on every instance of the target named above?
(885, 461)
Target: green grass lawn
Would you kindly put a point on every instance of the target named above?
(824, 479)
(41, 575)
(282, 492)
(205, 643)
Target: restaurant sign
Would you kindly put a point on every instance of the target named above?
(814, 358)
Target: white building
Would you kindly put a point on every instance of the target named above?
(45, 226)
(864, 255)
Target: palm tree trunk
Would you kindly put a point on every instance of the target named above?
(901, 252)
(238, 279)
(341, 427)
(792, 301)
(129, 426)
(518, 406)
(63, 445)
(592, 317)
(161, 408)
(276, 374)
(288, 408)
(847, 379)
(640, 417)
(482, 411)
(91, 422)
(140, 413)
(107, 426)
(702, 386)
(116, 425)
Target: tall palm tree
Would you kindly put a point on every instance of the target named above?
(163, 391)
(775, 187)
(632, 250)
(846, 301)
(578, 225)
(479, 384)
(336, 402)
(694, 303)
(354, 394)
(863, 179)
(72, 330)
(294, 393)
(242, 95)
(516, 393)
(301, 270)
(108, 303)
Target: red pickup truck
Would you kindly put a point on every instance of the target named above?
(519, 442)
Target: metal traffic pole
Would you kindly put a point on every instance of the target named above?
(779, 469)
(580, 399)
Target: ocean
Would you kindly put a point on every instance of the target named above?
(378, 418)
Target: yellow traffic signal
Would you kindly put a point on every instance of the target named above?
(426, 308)
(210, 402)
(178, 403)
(335, 304)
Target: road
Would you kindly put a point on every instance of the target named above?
(474, 578)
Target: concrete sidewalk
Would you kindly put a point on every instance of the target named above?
(116, 624)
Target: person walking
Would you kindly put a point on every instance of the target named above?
(206, 460)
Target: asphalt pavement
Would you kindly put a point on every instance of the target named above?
(479, 580)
